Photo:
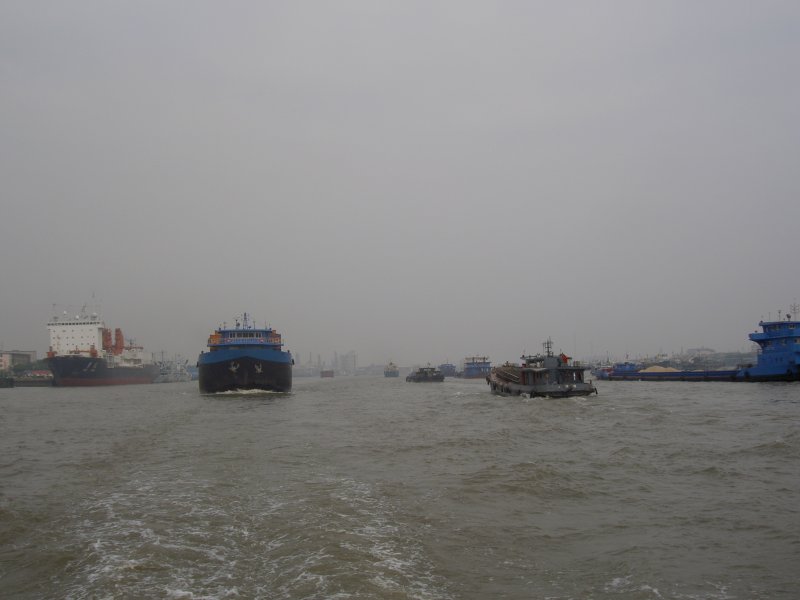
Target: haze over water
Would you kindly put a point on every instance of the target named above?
(412, 181)
(378, 488)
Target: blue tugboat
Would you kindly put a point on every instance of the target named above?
(778, 360)
(391, 370)
(245, 358)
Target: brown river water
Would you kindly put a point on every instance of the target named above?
(378, 488)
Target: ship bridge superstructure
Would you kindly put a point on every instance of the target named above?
(81, 334)
(779, 350)
(244, 334)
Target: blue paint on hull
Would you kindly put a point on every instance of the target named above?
(237, 353)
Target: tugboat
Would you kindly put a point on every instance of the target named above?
(544, 375)
(82, 353)
(245, 357)
(391, 370)
(425, 374)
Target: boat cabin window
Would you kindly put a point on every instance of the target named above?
(243, 335)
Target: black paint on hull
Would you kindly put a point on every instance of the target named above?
(84, 371)
(245, 374)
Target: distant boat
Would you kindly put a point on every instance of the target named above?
(173, 371)
(327, 373)
(448, 369)
(542, 375)
(391, 370)
(194, 373)
(425, 375)
(476, 367)
(245, 357)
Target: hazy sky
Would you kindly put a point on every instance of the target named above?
(415, 181)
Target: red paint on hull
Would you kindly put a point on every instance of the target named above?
(76, 382)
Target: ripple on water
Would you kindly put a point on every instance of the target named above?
(184, 539)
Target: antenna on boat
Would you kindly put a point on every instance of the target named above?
(794, 308)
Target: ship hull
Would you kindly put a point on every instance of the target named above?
(413, 378)
(756, 374)
(724, 375)
(84, 371)
(250, 369)
(503, 387)
(391, 373)
(476, 372)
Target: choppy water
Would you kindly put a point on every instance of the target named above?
(378, 488)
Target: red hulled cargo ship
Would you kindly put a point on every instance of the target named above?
(83, 353)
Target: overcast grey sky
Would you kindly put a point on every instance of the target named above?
(415, 181)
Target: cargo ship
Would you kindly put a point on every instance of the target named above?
(541, 375)
(778, 359)
(391, 370)
(476, 367)
(83, 353)
(244, 357)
